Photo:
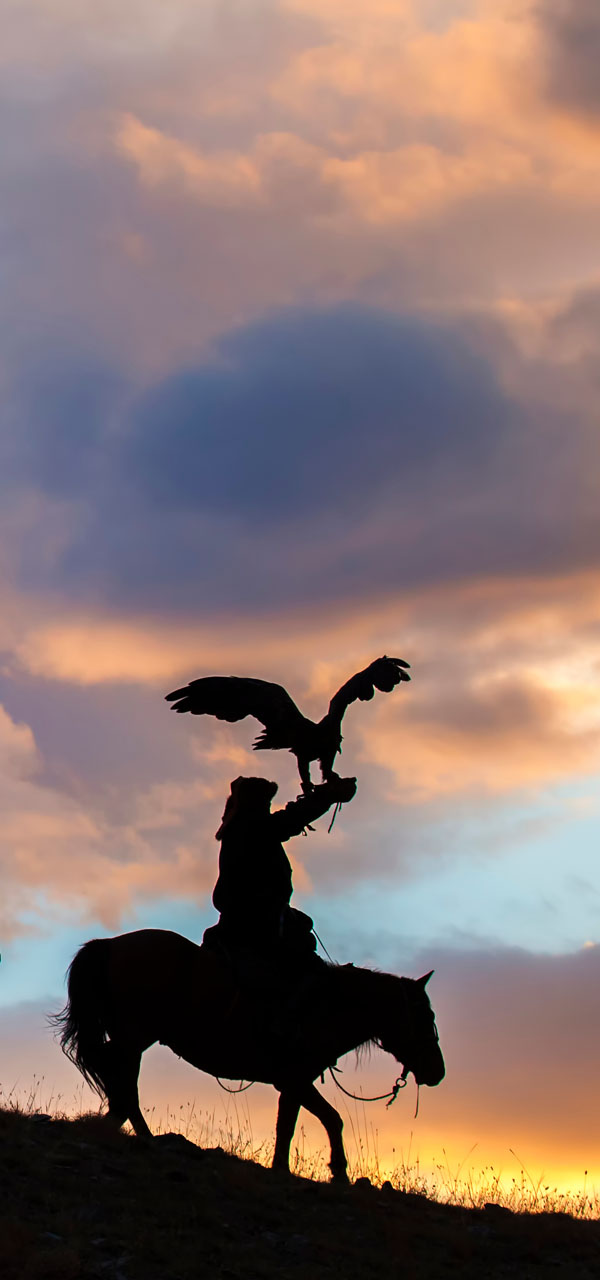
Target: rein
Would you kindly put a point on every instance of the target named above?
(401, 1080)
(322, 945)
(401, 1083)
(241, 1088)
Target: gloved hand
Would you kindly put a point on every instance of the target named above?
(342, 789)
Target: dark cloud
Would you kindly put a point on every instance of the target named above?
(571, 36)
(308, 412)
(576, 328)
(316, 453)
(61, 411)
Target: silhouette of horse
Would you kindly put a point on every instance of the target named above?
(126, 993)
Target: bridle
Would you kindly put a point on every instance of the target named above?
(401, 1080)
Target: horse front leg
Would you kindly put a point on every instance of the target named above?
(333, 1125)
(287, 1115)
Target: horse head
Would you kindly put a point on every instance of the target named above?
(411, 1034)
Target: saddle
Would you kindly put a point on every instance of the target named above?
(276, 975)
(286, 942)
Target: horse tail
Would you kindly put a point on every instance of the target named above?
(82, 1023)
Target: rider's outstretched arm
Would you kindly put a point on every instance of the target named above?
(296, 816)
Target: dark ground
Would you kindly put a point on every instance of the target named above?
(79, 1201)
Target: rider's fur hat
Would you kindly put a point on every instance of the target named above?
(249, 797)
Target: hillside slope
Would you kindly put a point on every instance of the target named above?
(77, 1200)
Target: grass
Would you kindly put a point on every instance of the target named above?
(463, 1185)
(80, 1201)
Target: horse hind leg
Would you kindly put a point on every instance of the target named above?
(333, 1124)
(290, 1101)
(121, 1071)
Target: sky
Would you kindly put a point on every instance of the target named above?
(301, 308)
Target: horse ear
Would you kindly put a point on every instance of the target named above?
(425, 979)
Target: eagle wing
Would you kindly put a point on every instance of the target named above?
(384, 673)
(235, 697)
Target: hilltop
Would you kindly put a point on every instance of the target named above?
(78, 1200)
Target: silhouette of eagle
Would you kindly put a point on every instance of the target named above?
(235, 697)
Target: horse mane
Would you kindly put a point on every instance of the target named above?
(368, 977)
(386, 983)
(365, 1050)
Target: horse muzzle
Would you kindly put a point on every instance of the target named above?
(429, 1073)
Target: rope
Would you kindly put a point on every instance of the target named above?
(392, 1095)
(322, 945)
(240, 1089)
(335, 813)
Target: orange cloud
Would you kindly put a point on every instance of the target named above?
(223, 178)
(380, 80)
(389, 124)
(55, 850)
(96, 860)
(505, 695)
(543, 618)
(496, 735)
(482, 76)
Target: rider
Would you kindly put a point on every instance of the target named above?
(254, 887)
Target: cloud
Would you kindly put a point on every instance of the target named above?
(75, 841)
(496, 733)
(571, 46)
(314, 454)
(60, 411)
(505, 695)
(287, 174)
(308, 411)
(294, 367)
(297, 157)
(222, 179)
(18, 757)
(322, 424)
(511, 1022)
(112, 800)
